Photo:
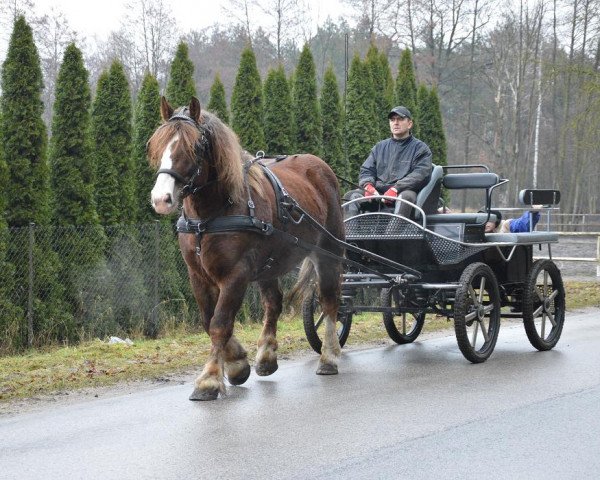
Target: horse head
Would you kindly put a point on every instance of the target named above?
(178, 147)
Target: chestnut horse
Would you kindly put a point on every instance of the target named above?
(200, 162)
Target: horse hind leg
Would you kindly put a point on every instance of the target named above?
(266, 356)
(329, 289)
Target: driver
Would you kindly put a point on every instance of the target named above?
(398, 166)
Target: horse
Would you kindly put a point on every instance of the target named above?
(245, 230)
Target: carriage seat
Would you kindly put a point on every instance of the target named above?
(524, 238)
(458, 181)
(428, 196)
(475, 218)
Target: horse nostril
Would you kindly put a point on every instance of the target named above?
(168, 199)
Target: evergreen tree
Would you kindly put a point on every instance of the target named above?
(426, 118)
(23, 131)
(432, 129)
(72, 179)
(278, 112)
(111, 137)
(27, 193)
(406, 88)
(331, 109)
(306, 105)
(70, 149)
(181, 87)
(146, 121)
(247, 104)
(10, 314)
(218, 103)
(379, 78)
(389, 87)
(362, 128)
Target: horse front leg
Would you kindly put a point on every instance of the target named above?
(266, 356)
(225, 350)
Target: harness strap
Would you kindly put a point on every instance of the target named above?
(282, 197)
(230, 223)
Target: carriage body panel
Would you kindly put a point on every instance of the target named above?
(471, 277)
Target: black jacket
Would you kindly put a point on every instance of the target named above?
(405, 164)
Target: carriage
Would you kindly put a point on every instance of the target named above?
(445, 264)
(246, 220)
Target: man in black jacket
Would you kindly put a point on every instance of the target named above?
(398, 166)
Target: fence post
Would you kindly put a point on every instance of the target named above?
(155, 293)
(598, 256)
(30, 290)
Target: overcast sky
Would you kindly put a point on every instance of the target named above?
(100, 17)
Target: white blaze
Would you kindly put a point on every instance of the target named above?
(163, 195)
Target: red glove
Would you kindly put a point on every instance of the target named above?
(370, 190)
(391, 192)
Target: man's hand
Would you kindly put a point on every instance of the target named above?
(370, 190)
(391, 192)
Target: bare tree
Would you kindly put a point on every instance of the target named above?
(241, 10)
(286, 16)
(53, 34)
(445, 25)
(151, 27)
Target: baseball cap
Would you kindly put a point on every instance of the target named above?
(402, 111)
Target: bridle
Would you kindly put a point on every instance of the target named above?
(203, 149)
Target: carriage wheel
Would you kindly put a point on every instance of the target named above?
(312, 316)
(477, 312)
(544, 305)
(404, 328)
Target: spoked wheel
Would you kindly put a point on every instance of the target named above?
(477, 312)
(544, 305)
(314, 327)
(403, 328)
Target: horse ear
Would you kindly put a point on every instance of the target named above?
(195, 110)
(166, 110)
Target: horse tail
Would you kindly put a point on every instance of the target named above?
(304, 283)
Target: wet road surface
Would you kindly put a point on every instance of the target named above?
(413, 411)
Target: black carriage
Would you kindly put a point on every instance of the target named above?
(445, 264)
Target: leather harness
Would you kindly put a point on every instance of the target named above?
(245, 223)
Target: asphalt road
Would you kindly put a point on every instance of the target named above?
(414, 411)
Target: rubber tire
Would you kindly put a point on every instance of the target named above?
(390, 325)
(310, 312)
(463, 306)
(531, 302)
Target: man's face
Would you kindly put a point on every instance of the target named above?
(490, 227)
(400, 126)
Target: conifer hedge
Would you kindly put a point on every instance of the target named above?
(181, 87)
(278, 113)
(333, 118)
(247, 104)
(218, 103)
(306, 105)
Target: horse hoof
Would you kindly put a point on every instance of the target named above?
(327, 369)
(266, 368)
(204, 395)
(240, 377)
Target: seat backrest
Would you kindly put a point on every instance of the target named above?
(429, 195)
(470, 180)
(539, 197)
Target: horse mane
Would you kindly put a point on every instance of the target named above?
(228, 157)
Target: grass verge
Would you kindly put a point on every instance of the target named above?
(96, 363)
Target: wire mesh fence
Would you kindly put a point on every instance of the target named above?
(66, 284)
